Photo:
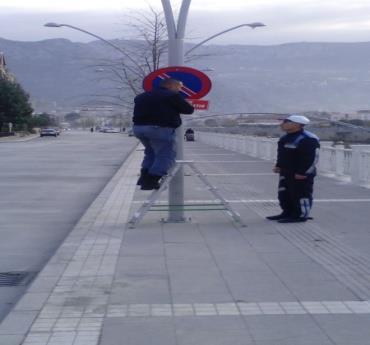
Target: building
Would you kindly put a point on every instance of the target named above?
(363, 115)
(4, 74)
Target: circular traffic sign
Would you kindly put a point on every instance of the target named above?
(196, 83)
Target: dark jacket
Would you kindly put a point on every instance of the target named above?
(298, 153)
(160, 107)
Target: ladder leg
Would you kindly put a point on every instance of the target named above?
(234, 215)
(139, 214)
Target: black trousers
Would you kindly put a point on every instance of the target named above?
(295, 196)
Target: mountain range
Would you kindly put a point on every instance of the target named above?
(292, 77)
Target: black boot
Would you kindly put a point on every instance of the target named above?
(150, 182)
(282, 215)
(143, 174)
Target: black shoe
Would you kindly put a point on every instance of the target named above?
(143, 174)
(278, 216)
(292, 220)
(150, 182)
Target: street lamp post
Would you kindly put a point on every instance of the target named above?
(176, 55)
(176, 35)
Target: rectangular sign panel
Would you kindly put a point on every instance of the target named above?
(199, 104)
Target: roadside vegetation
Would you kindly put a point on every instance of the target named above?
(15, 107)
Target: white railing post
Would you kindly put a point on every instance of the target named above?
(356, 168)
(339, 162)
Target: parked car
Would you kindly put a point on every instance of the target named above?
(48, 132)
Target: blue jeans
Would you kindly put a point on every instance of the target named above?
(159, 144)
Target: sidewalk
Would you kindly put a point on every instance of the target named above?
(17, 138)
(205, 281)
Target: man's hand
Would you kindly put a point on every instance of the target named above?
(300, 177)
(276, 170)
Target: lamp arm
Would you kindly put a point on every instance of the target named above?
(213, 36)
(104, 40)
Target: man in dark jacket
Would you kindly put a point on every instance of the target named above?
(156, 117)
(298, 153)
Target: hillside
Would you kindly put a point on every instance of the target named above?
(281, 78)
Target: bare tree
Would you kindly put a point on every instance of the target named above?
(123, 76)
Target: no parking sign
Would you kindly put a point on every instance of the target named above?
(196, 83)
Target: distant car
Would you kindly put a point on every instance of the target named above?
(130, 132)
(109, 130)
(112, 130)
(48, 132)
(57, 130)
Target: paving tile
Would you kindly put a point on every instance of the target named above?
(337, 307)
(358, 307)
(32, 301)
(161, 310)
(249, 308)
(202, 309)
(315, 308)
(285, 329)
(17, 322)
(137, 331)
(293, 308)
(346, 328)
(139, 310)
(227, 309)
(12, 340)
(271, 308)
(117, 310)
(37, 338)
(183, 309)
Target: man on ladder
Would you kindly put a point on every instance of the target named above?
(156, 117)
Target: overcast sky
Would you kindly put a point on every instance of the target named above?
(286, 20)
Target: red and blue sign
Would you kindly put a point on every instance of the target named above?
(196, 83)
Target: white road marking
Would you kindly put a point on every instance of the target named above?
(244, 161)
(240, 308)
(253, 201)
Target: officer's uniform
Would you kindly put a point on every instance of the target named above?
(298, 153)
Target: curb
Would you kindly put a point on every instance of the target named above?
(19, 140)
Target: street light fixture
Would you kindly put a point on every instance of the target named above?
(58, 25)
(251, 25)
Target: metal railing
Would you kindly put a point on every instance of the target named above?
(338, 162)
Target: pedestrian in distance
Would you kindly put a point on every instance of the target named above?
(189, 134)
(156, 117)
(297, 156)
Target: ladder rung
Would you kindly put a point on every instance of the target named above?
(180, 205)
(188, 209)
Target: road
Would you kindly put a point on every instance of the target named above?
(46, 184)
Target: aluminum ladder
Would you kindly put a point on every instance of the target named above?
(149, 204)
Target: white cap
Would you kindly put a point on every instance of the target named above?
(303, 120)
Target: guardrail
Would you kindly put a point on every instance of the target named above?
(353, 164)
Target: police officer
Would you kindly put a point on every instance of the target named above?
(297, 156)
